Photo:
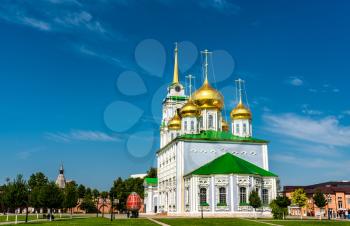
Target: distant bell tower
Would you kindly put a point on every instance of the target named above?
(173, 101)
(61, 180)
(241, 115)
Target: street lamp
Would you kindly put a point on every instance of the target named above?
(200, 203)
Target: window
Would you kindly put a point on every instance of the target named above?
(340, 203)
(242, 195)
(210, 121)
(192, 125)
(203, 195)
(172, 136)
(237, 128)
(222, 195)
(265, 196)
(348, 200)
(201, 122)
(244, 128)
(185, 125)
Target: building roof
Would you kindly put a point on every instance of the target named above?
(212, 135)
(231, 164)
(151, 181)
(330, 187)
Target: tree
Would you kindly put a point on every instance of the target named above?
(104, 196)
(71, 196)
(51, 197)
(299, 199)
(254, 201)
(81, 191)
(16, 194)
(279, 207)
(95, 193)
(36, 182)
(88, 204)
(88, 191)
(152, 172)
(320, 201)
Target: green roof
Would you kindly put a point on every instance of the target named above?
(231, 164)
(149, 180)
(212, 135)
(178, 97)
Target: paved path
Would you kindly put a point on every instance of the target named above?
(157, 222)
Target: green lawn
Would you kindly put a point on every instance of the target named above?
(93, 221)
(245, 222)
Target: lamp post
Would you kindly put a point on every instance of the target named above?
(112, 201)
(201, 204)
(328, 212)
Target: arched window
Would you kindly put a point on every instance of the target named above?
(242, 195)
(203, 195)
(265, 196)
(172, 136)
(222, 195)
(185, 125)
(210, 121)
(192, 125)
(201, 122)
(237, 128)
(244, 128)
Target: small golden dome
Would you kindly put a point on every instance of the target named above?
(175, 122)
(241, 112)
(190, 110)
(224, 125)
(207, 97)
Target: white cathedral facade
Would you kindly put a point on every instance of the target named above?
(203, 165)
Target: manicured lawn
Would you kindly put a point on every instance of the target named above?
(245, 222)
(94, 221)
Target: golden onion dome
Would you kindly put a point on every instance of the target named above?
(207, 97)
(224, 125)
(189, 110)
(175, 122)
(241, 112)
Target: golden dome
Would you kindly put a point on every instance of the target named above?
(175, 122)
(190, 110)
(241, 112)
(207, 97)
(224, 125)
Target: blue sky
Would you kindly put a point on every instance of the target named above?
(66, 98)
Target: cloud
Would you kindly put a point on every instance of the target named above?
(109, 59)
(222, 6)
(308, 111)
(81, 135)
(295, 81)
(26, 154)
(326, 131)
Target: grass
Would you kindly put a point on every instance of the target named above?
(90, 221)
(247, 222)
(93, 221)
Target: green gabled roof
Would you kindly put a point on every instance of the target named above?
(149, 180)
(212, 135)
(231, 164)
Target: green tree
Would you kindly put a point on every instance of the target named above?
(16, 194)
(88, 191)
(299, 199)
(81, 191)
(279, 207)
(104, 197)
(88, 204)
(95, 193)
(320, 201)
(36, 182)
(254, 201)
(51, 197)
(152, 172)
(71, 196)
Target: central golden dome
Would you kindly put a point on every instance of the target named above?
(207, 97)
(190, 109)
(175, 122)
(241, 112)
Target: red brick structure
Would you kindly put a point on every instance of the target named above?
(337, 194)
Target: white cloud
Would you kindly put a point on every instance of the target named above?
(109, 59)
(295, 81)
(41, 25)
(308, 111)
(81, 135)
(222, 6)
(326, 131)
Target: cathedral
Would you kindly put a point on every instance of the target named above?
(206, 165)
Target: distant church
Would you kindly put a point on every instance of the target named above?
(61, 180)
(202, 162)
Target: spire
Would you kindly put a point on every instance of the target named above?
(61, 169)
(190, 77)
(205, 53)
(239, 83)
(176, 67)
